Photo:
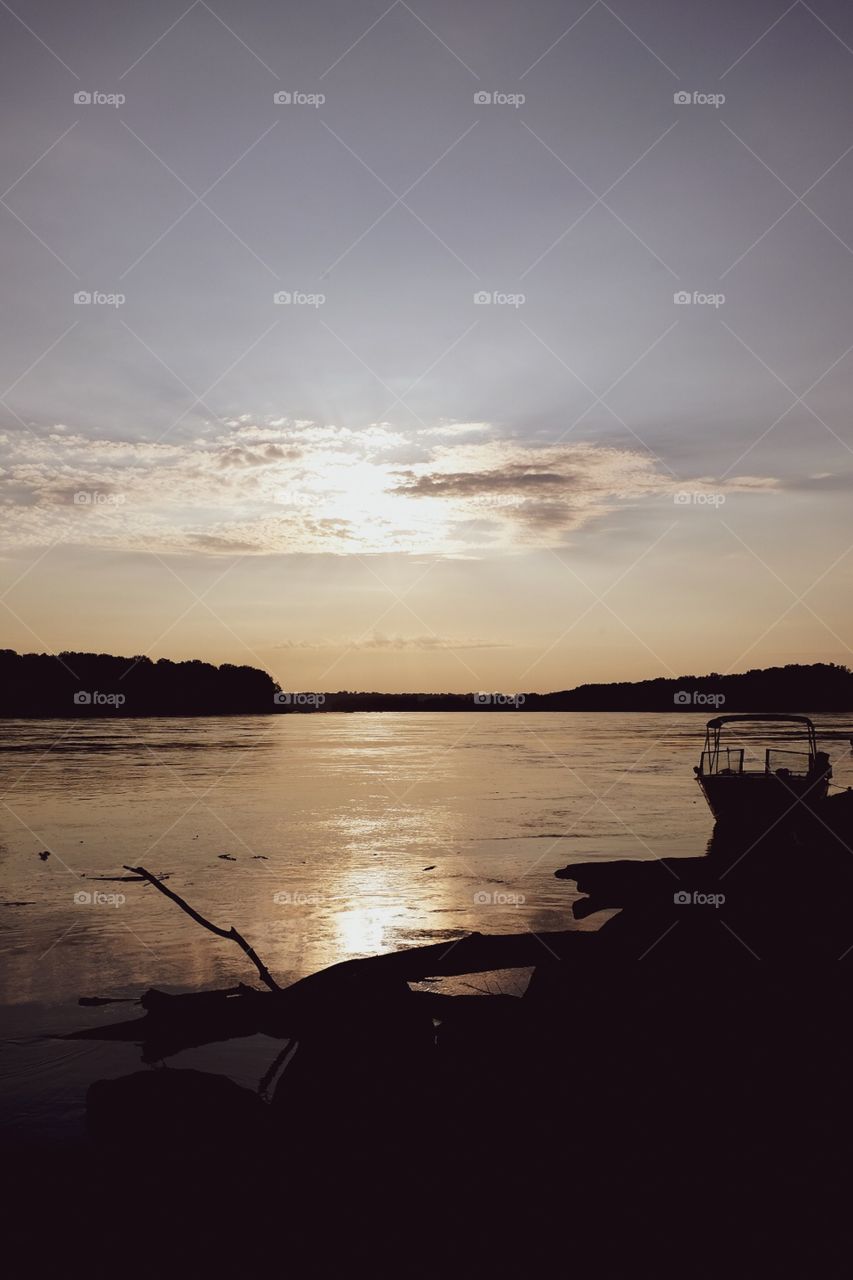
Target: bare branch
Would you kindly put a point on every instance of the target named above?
(231, 933)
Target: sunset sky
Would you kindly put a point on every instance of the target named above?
(383, 385)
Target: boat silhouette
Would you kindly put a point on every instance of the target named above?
(761, 782)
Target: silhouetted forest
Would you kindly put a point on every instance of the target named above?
(816, 687)
(95, 684)
(86, 684)
(819, 686)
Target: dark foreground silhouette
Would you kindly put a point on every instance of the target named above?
(671, 1094)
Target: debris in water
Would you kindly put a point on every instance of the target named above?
(92, 1002)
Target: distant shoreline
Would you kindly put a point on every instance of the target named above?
(84, 686)
(701, 713)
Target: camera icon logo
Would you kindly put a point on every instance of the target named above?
(82, 98)
(482, 98)
(282, 298)
(282, 98)
(682, 498)
(482, 699)
(682, 898)
(482, 298)
(282, 699)
(682, 698)
(682, 298)
(82, 898)
(482, 898)
(82, 298)
(82, 698)
(681, 99)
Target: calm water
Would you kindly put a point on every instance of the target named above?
(329, 823)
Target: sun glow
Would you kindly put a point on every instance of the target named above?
(361, 930)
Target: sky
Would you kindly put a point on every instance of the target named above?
(428, 346)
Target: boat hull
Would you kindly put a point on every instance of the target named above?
(761, 799)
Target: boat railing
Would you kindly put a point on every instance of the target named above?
(722, 760)
(796, 762)
(730, 760)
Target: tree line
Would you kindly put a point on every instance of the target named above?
(87, 684)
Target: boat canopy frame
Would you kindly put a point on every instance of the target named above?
(713, 729)
(719, 721)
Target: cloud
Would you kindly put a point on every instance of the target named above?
(548, 491)
(293, 487)
(242, 457)
(452, 430)
(378, 641)
(515, 479)
(822, 481)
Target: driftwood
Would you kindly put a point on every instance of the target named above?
(371, 989)
(374, 990)
(231, 933)
(345, 990)
(630, 883)
(342, 991)
(94, 1002)
(473, 953)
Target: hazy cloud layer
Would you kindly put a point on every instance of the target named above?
(377, 641)
(296, 487)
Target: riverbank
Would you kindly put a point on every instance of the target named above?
(670, 1091)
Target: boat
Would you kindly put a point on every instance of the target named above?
(764, 779)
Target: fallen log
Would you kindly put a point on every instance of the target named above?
(351, 989)
(473, 953)
(94, 1002)
(173, 1023)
